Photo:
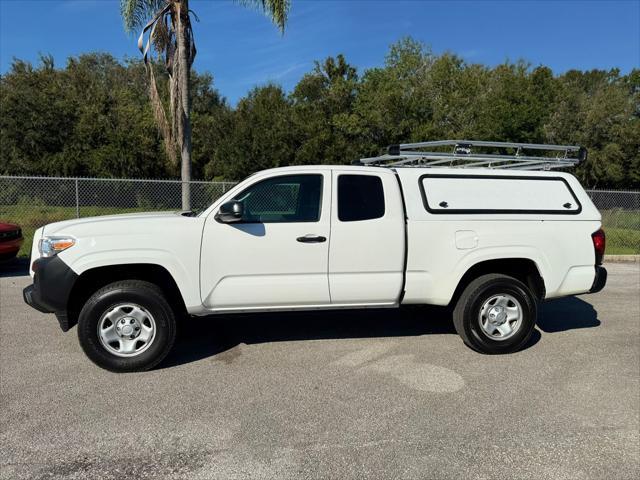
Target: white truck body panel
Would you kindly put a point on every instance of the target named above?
(167, 239)
(258, 265)
(366, 257)
(409, 254)
(559, 244)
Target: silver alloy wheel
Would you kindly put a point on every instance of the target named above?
(126, 330)
(500, 316)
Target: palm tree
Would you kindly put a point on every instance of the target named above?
(168, 24)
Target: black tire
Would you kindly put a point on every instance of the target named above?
(144, 294)
(467, 311)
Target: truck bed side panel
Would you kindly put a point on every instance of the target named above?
(443, 246)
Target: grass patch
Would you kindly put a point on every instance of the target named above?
(617, 218)
(622, 228)
(622, 241)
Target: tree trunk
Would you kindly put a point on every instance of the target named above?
(184, 69)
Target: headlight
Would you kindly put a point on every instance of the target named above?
(50, 246)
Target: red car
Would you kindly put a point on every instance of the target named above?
(10, 240)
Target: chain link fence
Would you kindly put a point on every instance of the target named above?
(35, 201)
(31, 202)
(620, 219)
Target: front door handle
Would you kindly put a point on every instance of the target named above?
(311, 238)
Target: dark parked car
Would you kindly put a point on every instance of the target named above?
(10, 240)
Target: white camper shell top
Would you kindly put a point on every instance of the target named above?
(494, 194)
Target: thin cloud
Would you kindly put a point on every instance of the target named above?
(83, 5)
(271, 75)
(470, 53)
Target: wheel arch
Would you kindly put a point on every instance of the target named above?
(95, 278)
(524, 269)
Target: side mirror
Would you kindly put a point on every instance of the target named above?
(230, 212)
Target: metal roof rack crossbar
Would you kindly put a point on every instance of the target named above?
(472, 153)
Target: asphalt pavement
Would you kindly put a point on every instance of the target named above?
(365, 394)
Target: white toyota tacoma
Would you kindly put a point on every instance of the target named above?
(489, 242)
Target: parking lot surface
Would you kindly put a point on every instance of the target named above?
(366, 394)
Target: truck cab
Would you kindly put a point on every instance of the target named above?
(309, 237)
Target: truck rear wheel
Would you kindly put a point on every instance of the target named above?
(127, 326)
(495, 314)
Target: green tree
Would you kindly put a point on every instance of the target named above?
(261, 135)
(322, 103)
(599, 110)
(170, 33)
(92, 116)
(212, 121)
(36, 119)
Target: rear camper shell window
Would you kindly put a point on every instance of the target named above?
(497, 194)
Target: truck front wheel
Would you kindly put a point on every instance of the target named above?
(127, 326)
(495, 314)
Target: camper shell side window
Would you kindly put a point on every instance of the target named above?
(497, 194)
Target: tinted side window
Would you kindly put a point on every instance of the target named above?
(289, 198)
(360, 197)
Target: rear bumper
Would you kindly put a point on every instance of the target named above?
(600, 279)
(51, 288)
(10, 248)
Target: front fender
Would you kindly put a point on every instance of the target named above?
(169, 241)
(182, 275)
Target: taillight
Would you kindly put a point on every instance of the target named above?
(599, 243)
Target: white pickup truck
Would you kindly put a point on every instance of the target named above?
(489, 242)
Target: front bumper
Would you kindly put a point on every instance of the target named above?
(600, 279)
(32, 298)
(52, 284)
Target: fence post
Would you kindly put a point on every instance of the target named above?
(77, 200)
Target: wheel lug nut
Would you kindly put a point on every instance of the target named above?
(137, 328)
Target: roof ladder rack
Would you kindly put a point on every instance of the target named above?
(471, 154)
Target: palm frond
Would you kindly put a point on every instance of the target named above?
(276, 10)
(157, 25)
(165, 128)
(135, 13)
(162, 36)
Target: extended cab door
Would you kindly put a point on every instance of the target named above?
(367, 249)
(277, 255)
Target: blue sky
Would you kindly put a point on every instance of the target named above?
(241, 48)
